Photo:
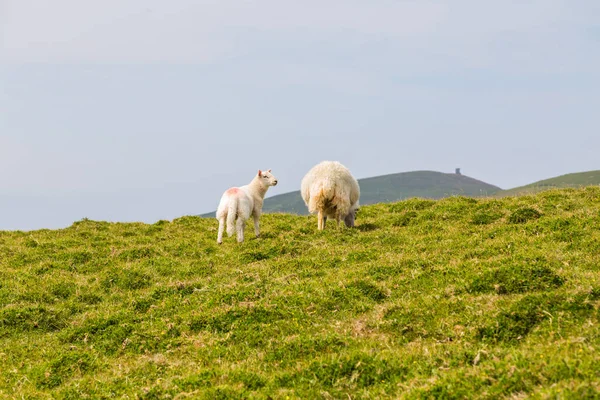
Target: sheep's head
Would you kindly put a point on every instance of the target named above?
(267, 178)
(349, 219)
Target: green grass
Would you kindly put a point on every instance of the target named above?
(575, 180)
(454, 298)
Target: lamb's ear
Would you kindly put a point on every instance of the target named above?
(269, 171)
(259, 172)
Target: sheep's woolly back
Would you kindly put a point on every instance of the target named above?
(330, 187)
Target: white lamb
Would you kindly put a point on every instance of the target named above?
(330, 190)
(240, 203)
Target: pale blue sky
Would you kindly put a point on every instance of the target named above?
(140, 110)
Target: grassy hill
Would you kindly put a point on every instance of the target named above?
(454, 298)
(390, 188)
(574, 180)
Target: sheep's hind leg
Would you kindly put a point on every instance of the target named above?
(321, 221)
(338, 217)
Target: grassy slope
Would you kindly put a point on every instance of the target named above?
(393, 187)
(455, 298)
(574, 180)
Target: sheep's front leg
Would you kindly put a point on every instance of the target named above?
(256, 227)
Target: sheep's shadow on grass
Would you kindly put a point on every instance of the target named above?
(366, 227)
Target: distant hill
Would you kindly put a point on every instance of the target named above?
(393, 187)
(575, 180)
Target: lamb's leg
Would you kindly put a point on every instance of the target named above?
(256, 227)
(240, 225)
(321, 221)
(221, 229)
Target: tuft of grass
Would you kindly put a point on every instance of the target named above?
(453, 298)
(485, 217)
(523, 215)
(511, 279)
(369, 290)
(17, 319)
(524, 315)
(62, 368)
(404, 219)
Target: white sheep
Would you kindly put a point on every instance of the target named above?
(330, 190)
(242, 202)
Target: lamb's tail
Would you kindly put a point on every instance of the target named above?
(232, 214)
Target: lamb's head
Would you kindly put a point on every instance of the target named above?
(267, 178)
(349, 219)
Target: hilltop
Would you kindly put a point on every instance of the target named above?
(453, 298)
(390, 188)
(574, 180)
